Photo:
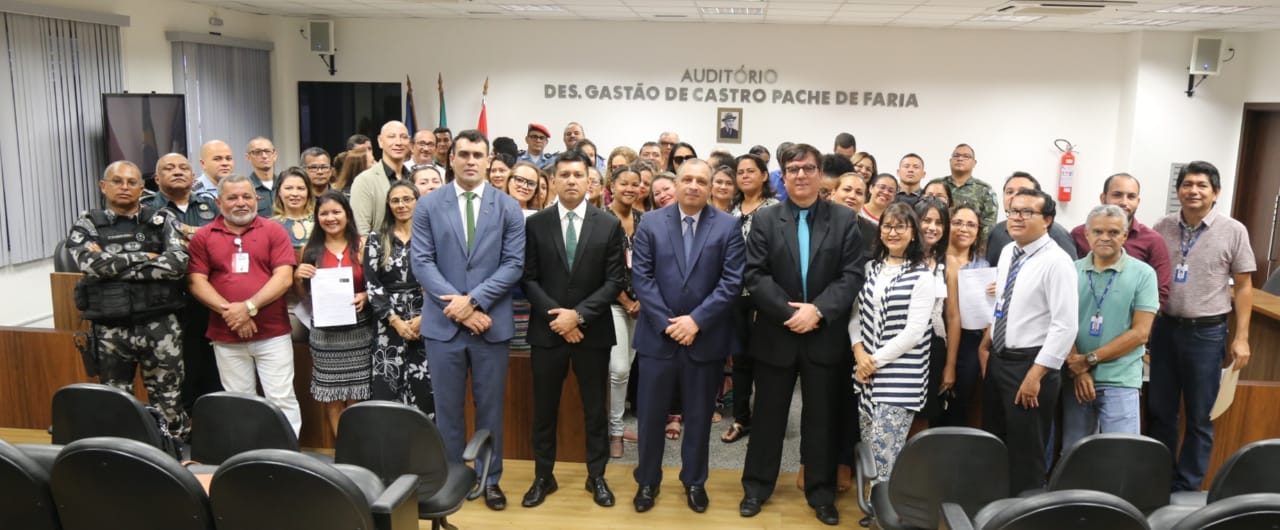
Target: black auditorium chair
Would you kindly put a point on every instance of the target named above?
(1052, 510)
(25, 499)
(960, 465)
(274, 488)
(393, 439)
(87, 410)
(110, 482)
(63, 261)
(224, 424)
(1251, 511)
(1254, 468)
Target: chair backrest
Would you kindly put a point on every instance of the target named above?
(1130, 466)
(275, 488)
(224, 424)
(392, 439)
(63, 261)
(26, 501)
(1273, 283)
(1069, 510)
(1252, 469)
(960, 465)
(119, 483)
(88, 410)
(1241, 512)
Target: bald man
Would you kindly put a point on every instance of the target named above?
(216, 161)
(369, 191)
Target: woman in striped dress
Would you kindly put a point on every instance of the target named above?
(891, 336)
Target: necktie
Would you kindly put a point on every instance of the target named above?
(997, 334)
(471, 218)
(802, 235)
(688, 239)
(571, 241)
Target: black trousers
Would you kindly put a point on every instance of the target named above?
(550, 367)
(1024, 431)
(743, 365)
(200, 369)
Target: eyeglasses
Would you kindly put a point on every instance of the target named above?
(402, 200)
(1023, 214)
(894, 229)
(318, 168)
(121, 183)
(262, 152)
(667, 144)
(807, 169)
(521, 181)
(424, 144)
(964, 224)
(536, 138)
(961, 156)
(681, 159)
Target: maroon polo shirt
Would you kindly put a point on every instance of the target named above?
(213, 250)
(1144, 244)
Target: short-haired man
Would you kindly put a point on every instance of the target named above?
(966, 188)
(424, 151)
(775, 176)
(359, 145)
(1118, 297)
(651, 151)
(845, 145)
(315, 160)
(369, 190)
(444, 142)
(666, 142)
(1034, 329)
(1124, 191)
(998, 239)
(804, 270)
(133, 258)
(910, 173)
(216, 162)
(573, 269)
(1209, 251)
(686, 271)
(261, 154)
(574, 135)
(536, 140)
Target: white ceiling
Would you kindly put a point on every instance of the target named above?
(1262, 15)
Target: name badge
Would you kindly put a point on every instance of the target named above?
(240, 265)
(1180, 273)
(1095, 325)
(999, 309)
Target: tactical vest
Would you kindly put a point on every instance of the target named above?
(111, 301)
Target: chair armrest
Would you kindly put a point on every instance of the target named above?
(866, 472)
(397, 507)
(954, 518)
(480, 451)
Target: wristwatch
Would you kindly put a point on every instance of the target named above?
(253, 309)
(582, 322)
(476, 305)
(1091, 358)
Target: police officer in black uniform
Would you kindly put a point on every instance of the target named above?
(134, 259)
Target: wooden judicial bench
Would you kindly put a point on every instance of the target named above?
(34, 363)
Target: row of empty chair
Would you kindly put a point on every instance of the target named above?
(958, 477)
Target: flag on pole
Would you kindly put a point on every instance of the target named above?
(410, 113)
(483, 126)
(444, 119)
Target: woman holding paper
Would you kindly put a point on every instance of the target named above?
(964, 253)
(935, 228)
(341, 353)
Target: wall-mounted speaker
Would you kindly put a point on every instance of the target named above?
(320, 35)
(1206, 55)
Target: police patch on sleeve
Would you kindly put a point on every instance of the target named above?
(157, 220)
(77, 237)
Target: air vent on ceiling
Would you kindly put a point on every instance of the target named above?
(1060, 7)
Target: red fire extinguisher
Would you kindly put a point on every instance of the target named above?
(1066, 169)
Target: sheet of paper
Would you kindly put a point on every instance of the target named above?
(976, 308)
(332, 291)
(1226, 391)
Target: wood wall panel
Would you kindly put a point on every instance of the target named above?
(65, 314)
(1252, 417)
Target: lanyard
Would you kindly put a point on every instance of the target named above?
(1189, 243)
(1094, 293)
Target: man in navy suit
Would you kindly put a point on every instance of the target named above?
(468, 252)
(686, 270)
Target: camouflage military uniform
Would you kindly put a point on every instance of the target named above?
(976, 193)
(143, 253)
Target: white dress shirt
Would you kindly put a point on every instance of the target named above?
(462, 203)
(578, 214)
(1044, 310)
(683, 227)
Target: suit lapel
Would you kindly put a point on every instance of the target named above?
(677, 239)
(584, 234)
(787, 225)
(557, 237)
(454, 217)
(700, 237)
(486, 218)
(821, 227)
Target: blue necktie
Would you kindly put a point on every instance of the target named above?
(802, 235)
(688, 240)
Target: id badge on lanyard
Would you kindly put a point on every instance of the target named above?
(240, 262)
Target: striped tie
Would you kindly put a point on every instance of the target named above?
(997, 335)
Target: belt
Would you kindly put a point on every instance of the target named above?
(1017, 354)
(1201, 322)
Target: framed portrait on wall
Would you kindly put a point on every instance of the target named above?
(729, 125)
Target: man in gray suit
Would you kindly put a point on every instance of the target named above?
(468, 252)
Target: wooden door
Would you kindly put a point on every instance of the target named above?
(1258, 184)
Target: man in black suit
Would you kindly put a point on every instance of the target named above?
(573, 269)
(804, 270)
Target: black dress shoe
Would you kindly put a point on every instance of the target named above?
(600, 491)
(827, 514)
(749, 507)
(697, 497)
(538, 491)
(645, 497)
(494, 498)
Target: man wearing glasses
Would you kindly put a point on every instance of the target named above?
(536, 141)
(1035, 327)
(261, 154)
(424, 152)
(965, 188)
(319, 172)
(666, 142)
(999, 236)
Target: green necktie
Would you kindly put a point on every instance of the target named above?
(571, 241)
(471, 218)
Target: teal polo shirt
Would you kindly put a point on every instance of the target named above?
(1134, 289)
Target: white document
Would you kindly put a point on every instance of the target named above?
(976, 308)
(332, 291)
(1226, 391)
